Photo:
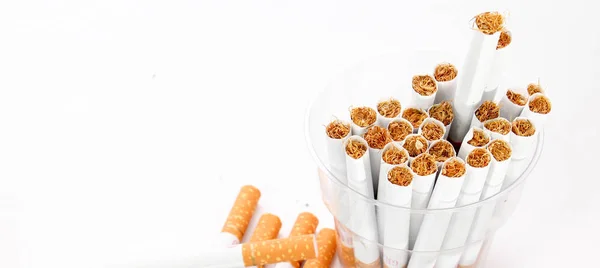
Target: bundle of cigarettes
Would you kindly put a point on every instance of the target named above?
(453, 140)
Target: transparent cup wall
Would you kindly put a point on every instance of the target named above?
(355, 215)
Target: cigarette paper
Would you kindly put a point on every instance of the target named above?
(362, 221)
(377, 137)
(337, 132)
(498, 128)
(260, 253)
(442, 150)
(434, 226)
(498, 70)
(501, 157)
(326, 249)
(362, 118)
(388, 110)
(513, 102)
(415, 144)
(432, 129)
(445, 75)
(444, 113)
(486, 111)
(478, 165)
(476, 137)
(523, 138)
(397, 191)
(415, 116)
(424, 91)
(399, 128)
(537, 109)
(239, 217)
(306, 223)
(424, 168)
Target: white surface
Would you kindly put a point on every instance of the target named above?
(122, 121)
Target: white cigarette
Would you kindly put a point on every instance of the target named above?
(424, 91)
(444, 113)
(393, 155)
(432, 129)
(537, 109)
(415, 116)
(337, 132)
(512, 102)
(533, 88)
(445, 75)
(486, 111)
(399, 129)
(433, 229)
(415, 144)
(442, 150)
(501, 157)
(523, 137)
(498, 128)
(478, 165)
(498, 71)
(476, 137)
(377, 138)
(388, 110)
(397, 191)
(362, 221)
(362, 118)
(425, 170)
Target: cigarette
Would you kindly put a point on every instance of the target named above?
(415, 144)
(487, 110)
(387, 110)
(424, 168)
(537, 109)
(478, 162)
(442, 150)
(362, 221)
(475, 72)
(475, 138)
(432, 129)
(337, 132)
(498, 71)
(424, 91)
(396, 190)
(260, 253)
(393, 155)
(362, 118)
(498, 128)
(522, 138)
(415, 116)
(534, 88)
(445, 75)
(513, 102)
(443, 112)
(326, 243)
(239, 216)
(399, 129)
(501, 156)
(434, 226)
(306, 223)
(377, 137)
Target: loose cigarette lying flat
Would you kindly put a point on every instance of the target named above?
(267, 228)
(240, 215)
(306, 223)
(327, 243)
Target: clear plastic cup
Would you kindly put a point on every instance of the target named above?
(366, 84)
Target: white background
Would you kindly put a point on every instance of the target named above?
(127, 127)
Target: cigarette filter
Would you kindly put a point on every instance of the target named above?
(415, 116)
(296, 248)
(397, 190)
(434, 226)
(522, 137)
(337, 132)
(424, 91)
(498, 70)
(512, 102)
(501, 156)
(399, 128)
(377, 137)
(362, 118)
(267, 228)
(478, 164)
(475, 138)
(239, 217)
(537, 109)
(486, 111)
(498, 128)
(326, 243)
(424, 169)
(388, 110)
(444, 113)
(445, 75)
(432, 130)
(306, 223)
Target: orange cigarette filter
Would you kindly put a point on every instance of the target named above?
(326, 243)
(267, 228)
(306, 223)
(242, 211)
(296, 248)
